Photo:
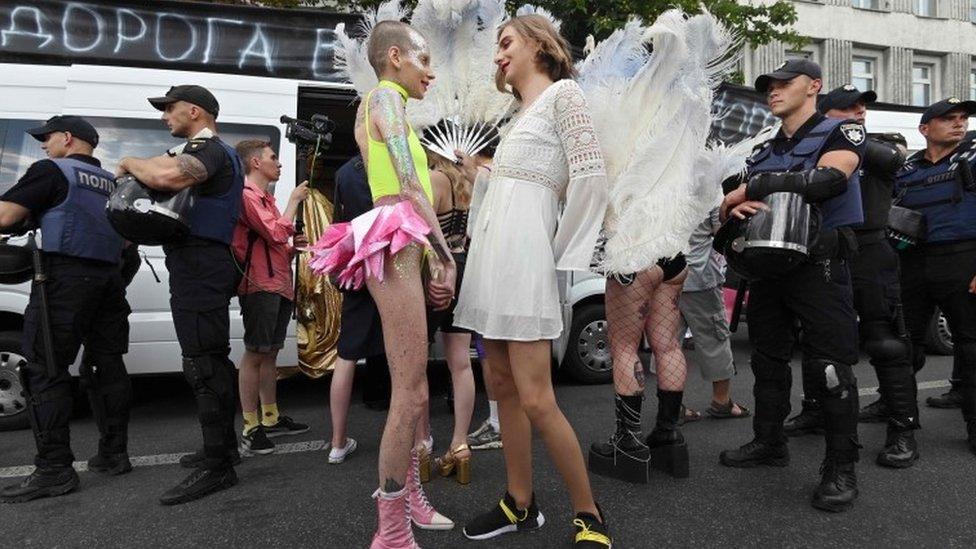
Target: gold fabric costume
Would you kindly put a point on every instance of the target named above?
(318, 302)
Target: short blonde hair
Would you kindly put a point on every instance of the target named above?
(554, 57)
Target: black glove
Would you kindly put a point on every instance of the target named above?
(816, 185)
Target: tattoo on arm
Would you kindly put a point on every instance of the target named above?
(191, 168)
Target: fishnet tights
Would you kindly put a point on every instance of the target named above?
(647, 306)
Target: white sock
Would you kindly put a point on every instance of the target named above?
(493, 414)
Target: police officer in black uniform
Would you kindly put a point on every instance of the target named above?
(939, 183)
(202, 275)
(65, 196)
(877, 299)
(817, 158)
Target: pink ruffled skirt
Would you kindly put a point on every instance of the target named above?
(354, 251)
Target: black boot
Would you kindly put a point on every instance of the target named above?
(808, 422)
(900, 449)
(112, 464)
(876, 412)
(198, 484)
(971, 431)
(41, 483)
(768, 447)
(669, 452)
(950, 399)
(838, 486)
(624, 456)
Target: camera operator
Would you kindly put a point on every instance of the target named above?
(202, 275)
(85, 300)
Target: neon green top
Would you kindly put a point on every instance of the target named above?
(380, 173)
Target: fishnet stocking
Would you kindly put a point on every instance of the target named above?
(662, 334)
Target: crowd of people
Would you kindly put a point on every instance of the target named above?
(420, 244)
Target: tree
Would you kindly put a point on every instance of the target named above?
(757, 23)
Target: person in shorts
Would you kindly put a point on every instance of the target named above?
(266, 292)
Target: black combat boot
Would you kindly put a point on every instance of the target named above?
(838, 486)
(624, 456)
(111, 464)
(900, 450)
(41, 483)
(768, 447)
(808, 422)
(876, 412)
(669, 452)
(950, 399)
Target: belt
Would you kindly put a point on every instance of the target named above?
(870, 236)
(944, 248)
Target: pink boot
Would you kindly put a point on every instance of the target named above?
(393, 531)
(422, 513)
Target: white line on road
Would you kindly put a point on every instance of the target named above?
(315, 445)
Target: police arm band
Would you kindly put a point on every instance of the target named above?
(816, 185)
(882, 158)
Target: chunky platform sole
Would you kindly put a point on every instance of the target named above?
(507, 529)
(672, 459)
(621, 466)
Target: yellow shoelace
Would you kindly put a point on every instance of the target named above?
(512, 517)
(589, 535)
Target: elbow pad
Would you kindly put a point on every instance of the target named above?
(814, 185)
(882, 158)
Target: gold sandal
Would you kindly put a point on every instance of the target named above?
(423, 457)
(451, 464)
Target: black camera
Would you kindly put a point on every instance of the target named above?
(316, 132)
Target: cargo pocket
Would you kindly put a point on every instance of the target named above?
(722, 331)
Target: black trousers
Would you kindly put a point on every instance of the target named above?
(941, 275)
(86, 304)
(202, 280)
(819, 296)
(877, 300)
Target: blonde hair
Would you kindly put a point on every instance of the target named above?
(460, 187)
(553, 57)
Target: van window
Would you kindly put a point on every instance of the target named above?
(118, 137)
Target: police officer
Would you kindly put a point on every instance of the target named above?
(66, 197)
(202, 275)
(939, 182)
(877, 300)
(818, 158)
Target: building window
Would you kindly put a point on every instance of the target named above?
(863, 74)
(972, 84)
(972, 10)
(925, 8)
(921, 85)
(867, 4)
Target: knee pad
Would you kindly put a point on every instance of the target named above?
(834, 377)
(881, 342)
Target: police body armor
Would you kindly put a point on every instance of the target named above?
(943, 195)
(150, 217)
(78, 227)
(773, 242)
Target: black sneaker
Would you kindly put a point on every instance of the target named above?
(590, 532)
(111, 464)
(504, 518)
(285, 427)
(256, 442)
(485, 438)
(41, 484)
(196, 459)
(950, 399)
(200, 483)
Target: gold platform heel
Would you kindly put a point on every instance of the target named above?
(451, 464)
(423, 457)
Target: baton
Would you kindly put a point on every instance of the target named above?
(740, 297)
(39, 283)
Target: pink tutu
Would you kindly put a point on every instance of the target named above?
(351, 252)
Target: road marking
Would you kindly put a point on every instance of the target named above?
(316, 445)
(170, 459)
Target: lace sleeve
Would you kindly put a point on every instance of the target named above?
(586, 194)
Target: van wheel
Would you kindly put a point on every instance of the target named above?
(939, 338)
(588, 354)
(13, 400)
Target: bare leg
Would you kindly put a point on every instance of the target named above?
(269, 378)
(340, 393)
(530, 369)
(661, 328)
(462, 378)
(400, 300)
(628, 307)
(248, 379)
(516, 429)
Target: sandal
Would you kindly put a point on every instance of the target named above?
(724, 411)
(687, 415)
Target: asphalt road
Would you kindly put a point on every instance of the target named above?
(296, 499)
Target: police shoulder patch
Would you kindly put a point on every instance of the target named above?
(195, 145)
(853, 133)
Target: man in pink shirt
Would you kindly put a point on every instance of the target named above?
(266, 293)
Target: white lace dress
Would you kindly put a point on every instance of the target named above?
(548, 162)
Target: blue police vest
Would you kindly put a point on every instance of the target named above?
(939, 192)
(79, 227)
(839, 211)
(214, 217)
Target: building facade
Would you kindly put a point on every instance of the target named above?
(910, 52)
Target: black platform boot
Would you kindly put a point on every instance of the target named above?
(624, 456)
(669, 452)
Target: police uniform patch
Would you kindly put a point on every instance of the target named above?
(853, 132)
(195, 145)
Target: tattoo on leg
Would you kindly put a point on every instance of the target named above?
(645, 309)
(390, 486)
(639, 374)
